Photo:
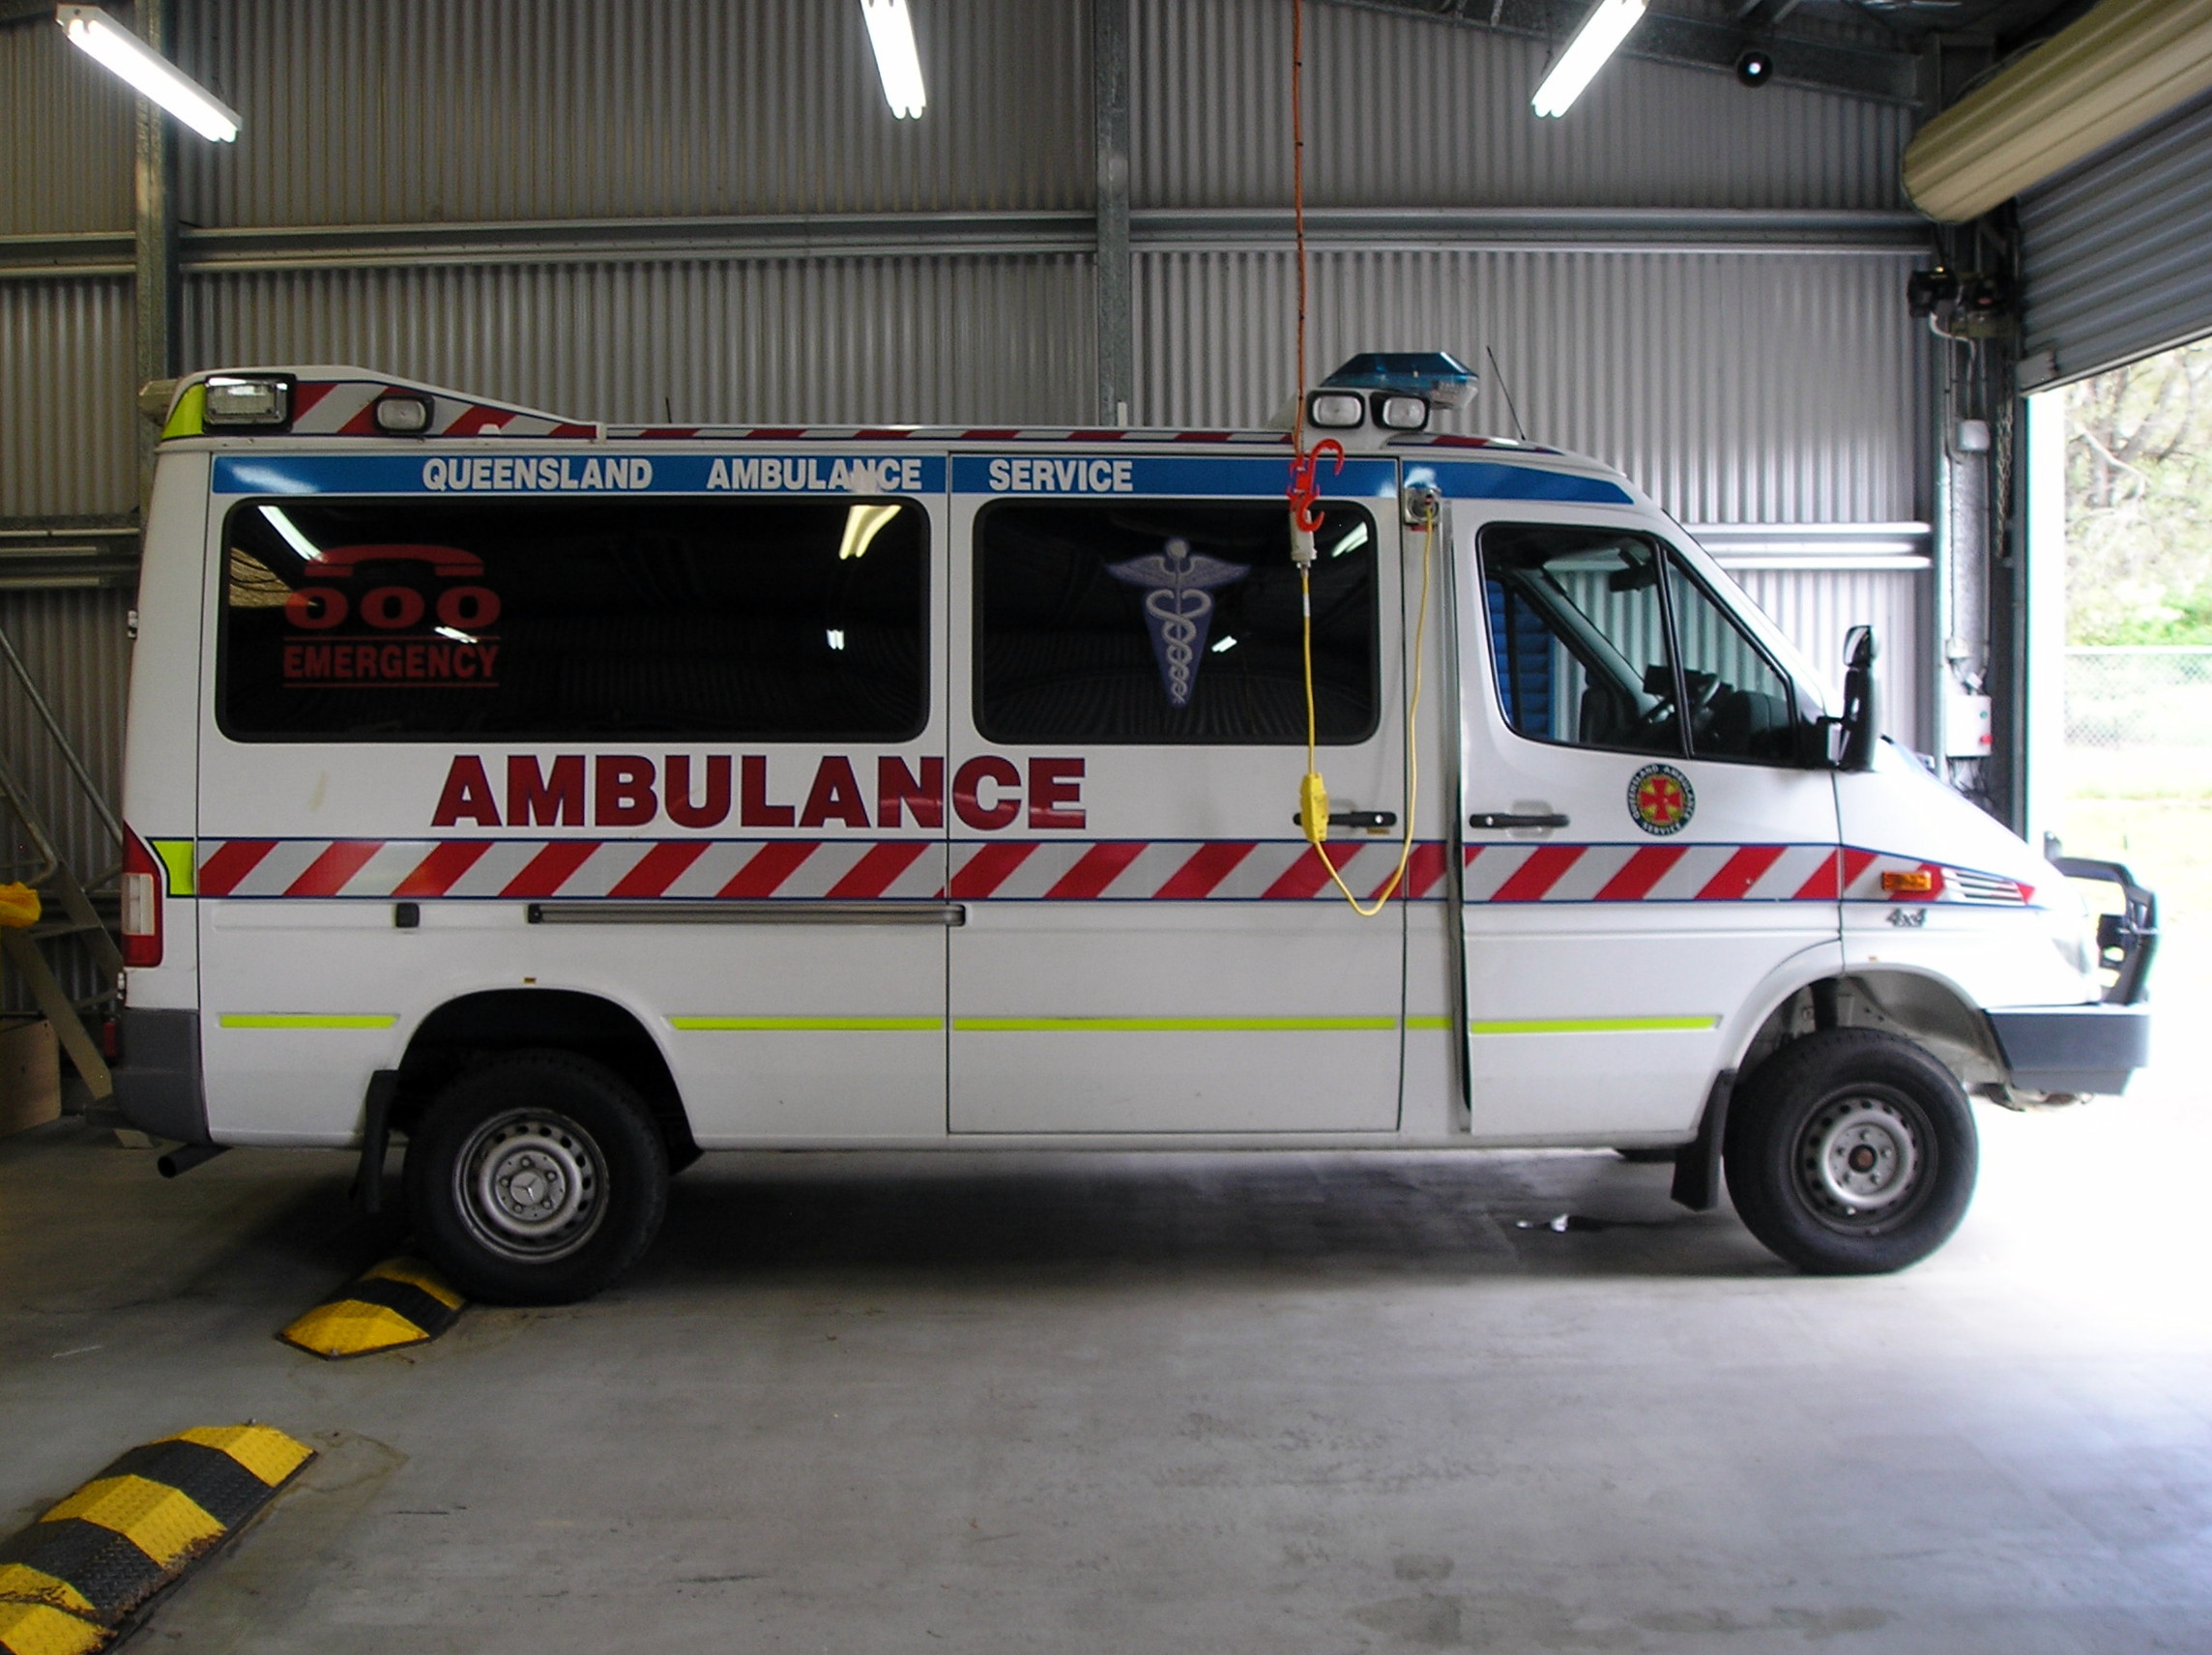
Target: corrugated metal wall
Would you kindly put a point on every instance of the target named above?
(910, 340)
(401, 111)
(65, 129)
(1735, 386)
(1406, 111)
(66, 447)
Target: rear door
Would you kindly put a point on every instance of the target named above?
(1633, 871)
(1149, 946)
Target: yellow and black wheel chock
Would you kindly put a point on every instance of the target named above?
(402, 1301)
(72, 1579)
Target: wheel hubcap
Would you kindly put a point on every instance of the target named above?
(531, 1184)
(1860, 1157)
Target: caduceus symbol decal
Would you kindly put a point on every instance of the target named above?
(1178, 607)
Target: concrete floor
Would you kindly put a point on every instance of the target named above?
(1284, 1404)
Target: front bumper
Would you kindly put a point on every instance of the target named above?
(2073, 1048)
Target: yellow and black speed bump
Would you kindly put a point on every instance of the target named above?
(402, 1301)
(71, 1581)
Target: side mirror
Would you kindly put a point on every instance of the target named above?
(1861, 721)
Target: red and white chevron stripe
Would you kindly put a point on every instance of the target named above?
(344, 408)
(419, 869)
(1064, 870)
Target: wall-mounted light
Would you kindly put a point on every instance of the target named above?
(890, 32)
(1597, 40)
(117, 49)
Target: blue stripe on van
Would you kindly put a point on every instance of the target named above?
(1060, 476)
(591, 471)
(1481, 480)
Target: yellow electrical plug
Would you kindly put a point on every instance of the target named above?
(1313, 806)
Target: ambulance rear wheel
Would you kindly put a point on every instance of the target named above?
(537, 1179)
(1852, 1152)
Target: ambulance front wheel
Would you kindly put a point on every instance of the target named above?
(537, 1179)
(1852, 1152)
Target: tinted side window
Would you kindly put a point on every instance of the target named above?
(420, 620)
(1158, 622)
(1578, 636)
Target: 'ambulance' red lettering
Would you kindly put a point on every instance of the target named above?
(835, 793)
(968, 792)
(628, 790)
(467, 795)
(622, 792)
(532, 797)
(716, 810)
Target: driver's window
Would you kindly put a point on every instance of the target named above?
(1578, 634)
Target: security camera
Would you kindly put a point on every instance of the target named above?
(1754, 66)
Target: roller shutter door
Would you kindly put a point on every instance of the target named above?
(2116, 252)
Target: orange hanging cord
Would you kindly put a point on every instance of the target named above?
(1305, 519)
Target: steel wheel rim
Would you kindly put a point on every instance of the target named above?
(531, 1185)
(1863, 1159)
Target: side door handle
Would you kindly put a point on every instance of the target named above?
(1374, 821)
(1496, 820)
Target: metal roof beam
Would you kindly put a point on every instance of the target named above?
(1820, 63)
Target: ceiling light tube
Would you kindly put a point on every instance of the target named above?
(1597, 40)
(99, 36)
(890, 32)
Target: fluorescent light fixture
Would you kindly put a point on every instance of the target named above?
(285, 526)
(836, 637)
(1222, 646)
(1597, 40)
(456, 633)
(94, 32)
(890, 32)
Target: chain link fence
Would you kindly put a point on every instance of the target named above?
(2138, 721)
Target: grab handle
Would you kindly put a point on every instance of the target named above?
(1497, 820)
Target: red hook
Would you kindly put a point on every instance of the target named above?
(1304, 489)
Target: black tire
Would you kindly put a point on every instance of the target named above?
(1852, 1152)
(537, 1179)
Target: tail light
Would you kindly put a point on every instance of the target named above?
(142, 881)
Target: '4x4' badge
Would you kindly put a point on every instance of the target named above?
(1661, 799)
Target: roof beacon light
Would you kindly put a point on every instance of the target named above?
(890, 32)
(123, 53)
(1597, 40)
(243, 401)
(1444, 380)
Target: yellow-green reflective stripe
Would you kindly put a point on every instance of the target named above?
(806, 1025)
(1596, 1026)
(1168, 1025)
(189, 418)
(307, 1019)
(177, 856)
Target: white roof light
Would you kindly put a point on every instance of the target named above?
(890, 32)
(94, 32)
(1600, 35)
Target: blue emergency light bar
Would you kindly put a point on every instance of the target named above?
(1443, 379)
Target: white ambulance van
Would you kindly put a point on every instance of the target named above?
(571, 800)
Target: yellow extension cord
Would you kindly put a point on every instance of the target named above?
(1313, 791)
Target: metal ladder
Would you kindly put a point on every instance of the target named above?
(70, 911)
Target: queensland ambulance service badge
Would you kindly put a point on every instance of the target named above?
(1661, 799)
